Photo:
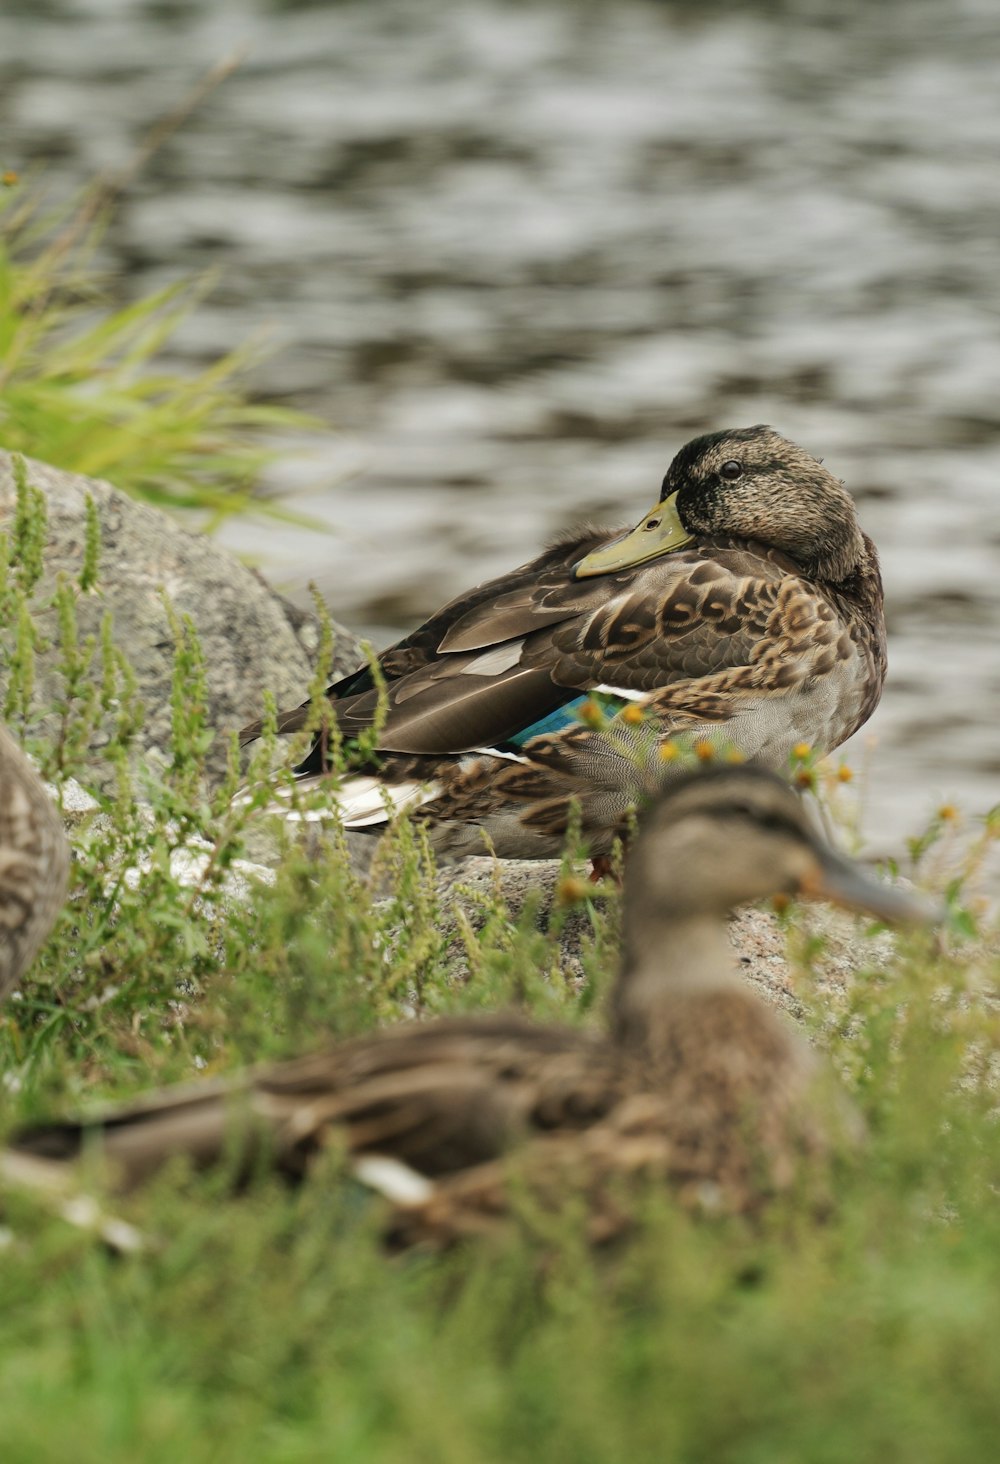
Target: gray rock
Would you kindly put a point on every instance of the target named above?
(77, 803)
(806, 967)
(842, 951)
(252, 640)
(471, 887)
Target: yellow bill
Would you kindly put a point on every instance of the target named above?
(660, 532)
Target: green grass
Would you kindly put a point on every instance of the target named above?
(270, 1327)
(83, 385)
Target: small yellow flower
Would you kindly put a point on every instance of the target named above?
(669, 751)
(633, 714)
(8, 178)
(844, 774)
(571, 890)
(703, 750)
(805, 778)
(947, 813)
(590, 713)
(801, 750)
(733, 755)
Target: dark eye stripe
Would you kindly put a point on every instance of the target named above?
(764, 818)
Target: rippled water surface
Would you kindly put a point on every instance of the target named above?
(516, 254)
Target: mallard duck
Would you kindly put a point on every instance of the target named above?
(696, 1080)
(34, 863)
(745, 610)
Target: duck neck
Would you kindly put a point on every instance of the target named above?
(668, 954)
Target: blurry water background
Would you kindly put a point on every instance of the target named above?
(517, 253)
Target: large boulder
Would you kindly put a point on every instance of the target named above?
(252, 640)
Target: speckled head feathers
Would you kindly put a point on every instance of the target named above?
(751, 483)
(717, 838)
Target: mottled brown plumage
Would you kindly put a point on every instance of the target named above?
(756, 622)
(34, 863)
(697, 1082)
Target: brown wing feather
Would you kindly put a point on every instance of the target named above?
(511, 597)
(520, 612)
(438, 1096)
(459, 712)
(491, 613)
(680, 618)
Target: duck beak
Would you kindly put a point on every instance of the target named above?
(843, 882)
(660, 532)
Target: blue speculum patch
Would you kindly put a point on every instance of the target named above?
(566, 716)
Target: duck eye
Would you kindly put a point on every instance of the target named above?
(731, 470)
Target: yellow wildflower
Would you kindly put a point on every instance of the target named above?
(571, 890)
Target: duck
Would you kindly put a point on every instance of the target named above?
(744, 613)
(694, 1082)
(34, 863)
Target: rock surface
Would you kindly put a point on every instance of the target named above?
(251, 639)
(765, 951)
(758, 935)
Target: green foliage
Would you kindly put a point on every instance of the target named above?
(82, 385)
(268, 1326)
(149, 930)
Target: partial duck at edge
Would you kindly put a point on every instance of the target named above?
(34, 863)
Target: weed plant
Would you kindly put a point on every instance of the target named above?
(83, 385)
(270, 1326)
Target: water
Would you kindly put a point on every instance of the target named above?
(516, 254)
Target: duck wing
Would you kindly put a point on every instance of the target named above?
(710, 622)
(490, 614)
(739, 1110)
(697, 612)
(696, 631)
(439, 1097)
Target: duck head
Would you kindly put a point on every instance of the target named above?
(748, 483)
(725, 836)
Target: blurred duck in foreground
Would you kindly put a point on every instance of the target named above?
(697, 1084)
(745, 609)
